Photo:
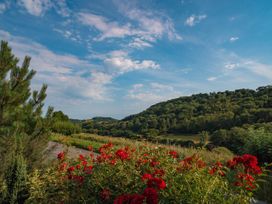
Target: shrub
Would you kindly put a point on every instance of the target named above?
(65, 127)
(145, 175)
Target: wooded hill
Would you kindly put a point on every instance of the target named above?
(196, 113)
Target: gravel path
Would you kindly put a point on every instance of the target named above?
(53, 148)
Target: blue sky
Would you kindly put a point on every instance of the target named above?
(116, 58)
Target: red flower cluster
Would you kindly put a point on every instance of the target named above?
(245, 180)
(122, 154)
(249, 162)
(129, 199)
(217, 168)
(156, 183)
(105, 147)
(173, 154)
(245, 168)
(61, 156)
(150, 196)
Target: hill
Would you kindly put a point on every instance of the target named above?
(199, 112)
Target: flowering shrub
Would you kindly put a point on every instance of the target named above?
(149, 175)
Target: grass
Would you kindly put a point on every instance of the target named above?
(184, 137)
(83, 140)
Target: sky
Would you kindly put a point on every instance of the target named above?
(116, 58)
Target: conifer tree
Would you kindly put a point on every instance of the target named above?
(20, 115)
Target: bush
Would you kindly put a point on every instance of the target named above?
(248, 140)
(66, 127)
(146, 175)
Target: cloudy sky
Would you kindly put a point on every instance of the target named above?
(116, 58)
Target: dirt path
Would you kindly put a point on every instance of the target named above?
(53, 148)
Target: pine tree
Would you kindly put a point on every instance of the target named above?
(23, 130)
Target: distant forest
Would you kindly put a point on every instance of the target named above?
(193, 114)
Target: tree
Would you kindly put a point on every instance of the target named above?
(23, 130)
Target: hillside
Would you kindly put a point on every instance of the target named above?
(200, 112)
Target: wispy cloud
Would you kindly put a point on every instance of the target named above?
(39, 7)
(233, 39)
(152, 92)
(62, 72)
(107, 28)
(211, 78)
(231, 66)
(3, 7)
(143, 27)
(194, 19)
(123, 63)
(35, 7)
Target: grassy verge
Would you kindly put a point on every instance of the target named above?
(76, 142)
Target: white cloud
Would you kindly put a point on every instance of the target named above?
(107, 28)
(62, 72)
(39, 7)
(123, 63)
(231, 65)
(144, 28)
(194, 19)
(152, 93)
(139, 43)
(62, 8)
(234, 62)
(161, 87)
(36, 7)
(261, 69)
(3, 7)
(152, 24)
(233, 39)
(212, 78)
(73, 35)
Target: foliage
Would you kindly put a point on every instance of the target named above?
(146, 173)
(16, 178)
(254, 140)
(63, 125)
(196, 113)
(23, 130)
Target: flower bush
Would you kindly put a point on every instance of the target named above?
(145, 174)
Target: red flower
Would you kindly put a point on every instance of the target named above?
(61, 155)
(218, 166)
(156, 183)
(105, 147)
(122, 154)
(71, 169)
(105, 194)
(174, 154)
(113, 162)
(154, 163)
(249, 162)
(151, 196)
(158, 172)
(84, 163)
(88, 169)
(78, 166)
(81, 157)
(146, 177)
(90, 148)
